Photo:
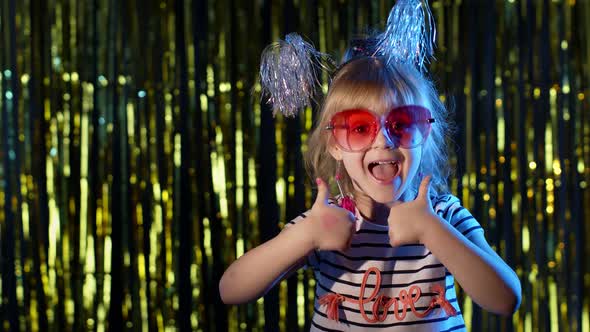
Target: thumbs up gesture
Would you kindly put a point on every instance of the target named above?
(408, 220)
(333, 226)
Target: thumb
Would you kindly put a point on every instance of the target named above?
(323, 194)
(424, 187)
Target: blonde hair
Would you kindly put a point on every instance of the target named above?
(366, 82)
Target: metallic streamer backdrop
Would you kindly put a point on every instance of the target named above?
(136, 162)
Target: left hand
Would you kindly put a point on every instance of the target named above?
(408, 220)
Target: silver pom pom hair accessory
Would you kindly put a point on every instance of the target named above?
(289, 74)
(410, 34)
(289, 68)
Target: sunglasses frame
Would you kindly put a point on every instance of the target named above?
(382, 124)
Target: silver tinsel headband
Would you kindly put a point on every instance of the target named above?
(289, 68)
(288, 74)
(410, 34)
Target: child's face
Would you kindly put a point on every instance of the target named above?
(382, 170)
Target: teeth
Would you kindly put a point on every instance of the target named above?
(375, 163)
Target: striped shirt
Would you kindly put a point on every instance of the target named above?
(404, 270)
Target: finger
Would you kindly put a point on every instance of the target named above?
(424, 190)
(322, 197)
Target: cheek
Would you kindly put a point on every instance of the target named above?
(353, 164)
(397, 182)
(412, 164)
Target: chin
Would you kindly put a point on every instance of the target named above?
(386, 198)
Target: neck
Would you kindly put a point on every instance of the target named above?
(371, 210)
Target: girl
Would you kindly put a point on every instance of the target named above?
(390, 262)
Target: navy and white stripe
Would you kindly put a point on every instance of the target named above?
(401, 267)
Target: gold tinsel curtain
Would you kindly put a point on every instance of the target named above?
(136, 161)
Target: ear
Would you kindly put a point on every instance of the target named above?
(335, 152)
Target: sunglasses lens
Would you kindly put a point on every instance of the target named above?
(354, 130)
(408, 126)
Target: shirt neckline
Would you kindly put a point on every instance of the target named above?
(364, 221)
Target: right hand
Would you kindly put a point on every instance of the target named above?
(333, 225)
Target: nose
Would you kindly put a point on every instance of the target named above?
(383, 141)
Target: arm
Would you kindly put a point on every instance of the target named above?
(326, 227)
(257, 271)
(488, 280)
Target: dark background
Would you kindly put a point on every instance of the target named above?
(136, 161)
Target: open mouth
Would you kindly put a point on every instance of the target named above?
(384, 171)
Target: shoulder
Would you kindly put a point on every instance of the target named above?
(304, 215)
(444, 202)
(297, 219)
(449, 208)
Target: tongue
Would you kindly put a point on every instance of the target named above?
(385, 171)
